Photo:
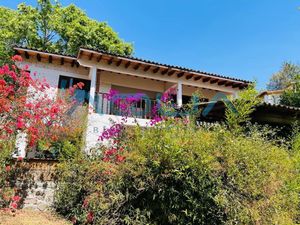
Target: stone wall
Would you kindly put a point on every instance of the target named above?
(36, 181)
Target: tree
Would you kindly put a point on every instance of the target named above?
(291, 96)
(284, 77)
(55, 28)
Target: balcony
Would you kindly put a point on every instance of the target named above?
(139, 109)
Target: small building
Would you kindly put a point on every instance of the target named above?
(271, 97)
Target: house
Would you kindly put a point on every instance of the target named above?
(101, 71)
(271, 97)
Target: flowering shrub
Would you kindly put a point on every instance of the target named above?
(177, 173)
(27, 106)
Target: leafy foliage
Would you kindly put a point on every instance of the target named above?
(8, 173)
(69, 141)
(177, 173)
(291, 96)
(285, 77)
(55, 28)
(238, 111)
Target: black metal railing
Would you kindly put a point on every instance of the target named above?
(140, 108)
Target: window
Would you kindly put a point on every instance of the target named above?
(81, 95)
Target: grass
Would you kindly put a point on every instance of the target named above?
(30, 217)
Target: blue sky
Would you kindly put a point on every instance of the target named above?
(247, 39)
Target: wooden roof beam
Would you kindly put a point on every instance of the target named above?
(156, 70)
(38, 56)
(222, 82)
(91, 56)
(228, 84)
(50, 59)
(119, 62)
(244, 85)
(180, 74)
(26, 55)
(165, 71)
(236, 85)
(127, 64)
(62, 61)
(137, 66)
(197, 78)
(171, 72)
(99, 58)
(214, 81)
(147, 68)
(206, 79)
(189, 76)
(110, 61)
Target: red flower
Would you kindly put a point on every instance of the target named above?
(85, 203)
(16, 198)
(80, 85)
(106, 159)
(2, 82)
(13, 205)
(20, 158)
(7, 168)
(120, 158)
(73, 220)
(20, 123)
(90, 217)
(54, 109)
(16, 58)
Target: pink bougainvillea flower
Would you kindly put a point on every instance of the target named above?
(16, 198)
(105, 159)
(16, 58)
(73, 220)
(80, 85)
(7, 168)
(2, 83)
(13, 205)
(90, 217)
(26, 67)
(120, 158)
(20, 158)
(20, 123)
(85, 203)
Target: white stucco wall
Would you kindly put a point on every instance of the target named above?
(272, 99)
(52, 71)
(98, 122)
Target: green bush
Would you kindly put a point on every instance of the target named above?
(181, 174)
